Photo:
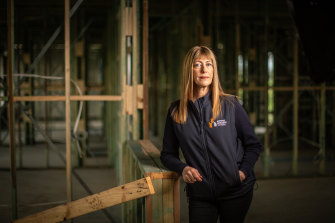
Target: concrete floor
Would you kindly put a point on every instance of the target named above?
(309, 199)
(39, 190)
(275, 200)
(293, 200)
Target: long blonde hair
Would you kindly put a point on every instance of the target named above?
(179, 114)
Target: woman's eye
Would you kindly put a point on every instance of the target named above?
(209, 65)
(197, 65)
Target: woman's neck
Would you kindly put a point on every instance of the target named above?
(200, 92)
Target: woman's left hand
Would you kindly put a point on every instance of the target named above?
(242, 175)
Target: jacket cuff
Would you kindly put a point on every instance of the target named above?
(246, 172)
(181, 168)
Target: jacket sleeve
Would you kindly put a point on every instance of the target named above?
(170, 152)
(251, 144)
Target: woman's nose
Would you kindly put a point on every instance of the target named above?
(203, 69)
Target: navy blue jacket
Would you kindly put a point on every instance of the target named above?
(218, 149)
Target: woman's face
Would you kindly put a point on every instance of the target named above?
(202, 72)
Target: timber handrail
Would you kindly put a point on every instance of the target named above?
(141, 159)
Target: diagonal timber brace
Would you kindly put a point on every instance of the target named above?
(117, 195)
(61, 156)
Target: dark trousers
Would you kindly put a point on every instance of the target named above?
(230, 210)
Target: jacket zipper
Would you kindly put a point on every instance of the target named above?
(204, 145)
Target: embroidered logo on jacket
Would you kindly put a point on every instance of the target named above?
(217, 123)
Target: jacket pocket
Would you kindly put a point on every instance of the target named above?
(198, 190)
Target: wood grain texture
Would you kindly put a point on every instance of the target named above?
(108, 198)
(168, 186)
(72, 98)
(164, 205)
(67, 100)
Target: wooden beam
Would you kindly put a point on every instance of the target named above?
(39, 98)
(167, 186)
(143, 156)
(136, 67)
(145, 31)
(129, 99)
(119, 97)
(162, 175)
(237, 51)
(140, 96)
(61, 87)
(67, 100)
(267, 156)
(10, 108)
(95, 98)
(322, 129)
(295, 108)
(148, 209)
(176, 201)
(72, 98)
(117, 195)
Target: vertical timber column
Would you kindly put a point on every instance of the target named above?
(145, 55)
(46, 116)
(266, 92)
(322, 129)
(10, 62)
(67, 101)
(123, 63)
(122, 73)
(295, 108)
(74, 75)
(136, 72)
(112, 86)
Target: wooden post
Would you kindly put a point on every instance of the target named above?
(20, 67)
(73, 64)
(274, 126)
(67, 101)
(148, 209)
(266, 104)
(145, 31)
(113, 85)
(46, 113)
(136, 55)
(10, 62)
(295, 108)
(333, 120)
(237, 49)
(176, 201)
(322, 129)
(92, 203)
(122, 75)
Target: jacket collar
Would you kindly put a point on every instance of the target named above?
(205, 99)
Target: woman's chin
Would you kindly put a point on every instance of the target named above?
(203, 84)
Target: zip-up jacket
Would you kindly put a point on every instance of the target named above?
(218, 148)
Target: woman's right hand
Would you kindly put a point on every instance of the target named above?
(191, 175)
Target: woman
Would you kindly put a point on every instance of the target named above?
(217, 141)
